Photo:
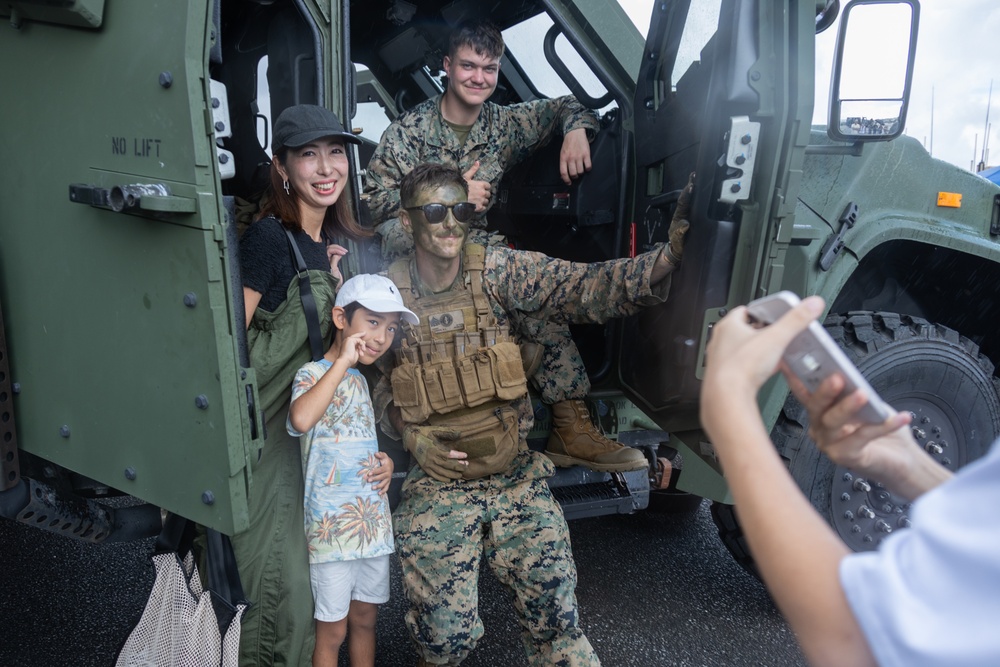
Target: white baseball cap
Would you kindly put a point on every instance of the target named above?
(376, 293)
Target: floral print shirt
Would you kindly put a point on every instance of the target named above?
(345, 518)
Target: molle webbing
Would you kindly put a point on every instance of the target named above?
(452, 324)
(457, 357)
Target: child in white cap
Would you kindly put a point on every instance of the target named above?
(347, 520)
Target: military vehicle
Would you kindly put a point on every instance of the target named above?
(135, 134)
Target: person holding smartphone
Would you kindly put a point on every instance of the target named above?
(930, 595)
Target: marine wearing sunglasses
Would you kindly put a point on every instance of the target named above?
(436, 213)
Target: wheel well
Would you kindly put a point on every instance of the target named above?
(941, 285)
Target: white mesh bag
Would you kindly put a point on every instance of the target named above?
(182, 624)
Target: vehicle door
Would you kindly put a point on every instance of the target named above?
(119, 283)
(724, 91)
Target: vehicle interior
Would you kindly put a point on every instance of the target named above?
(268, 62)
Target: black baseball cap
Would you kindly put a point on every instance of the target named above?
(298, 125)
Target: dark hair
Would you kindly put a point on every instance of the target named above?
(284, 206)
(429, 176)
(481, 36)
(350, 309)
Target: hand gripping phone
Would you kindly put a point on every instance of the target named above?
(813, 356)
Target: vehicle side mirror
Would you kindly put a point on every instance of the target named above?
(873, 70)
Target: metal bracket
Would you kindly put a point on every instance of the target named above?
(740, 159)
(995, 220)
(221, 128)
(834, 244)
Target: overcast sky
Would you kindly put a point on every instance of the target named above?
(957, 55)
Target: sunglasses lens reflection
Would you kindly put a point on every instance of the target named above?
(436, 213)
(463, 212)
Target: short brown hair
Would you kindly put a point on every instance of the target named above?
(429, 176)
(481, 36)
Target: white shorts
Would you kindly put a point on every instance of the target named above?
(335, 584)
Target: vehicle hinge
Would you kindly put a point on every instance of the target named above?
(9, 465)
(834, 244)
(995, 221)
(739, 159)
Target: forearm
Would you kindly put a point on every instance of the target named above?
(662, 268)
(921, 475)
(309, 407)
(795, 551)
(563, 291)
(573, 116)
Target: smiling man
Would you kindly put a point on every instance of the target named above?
(483, 139)
(458, 398)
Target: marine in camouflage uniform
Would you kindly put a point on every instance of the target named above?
(499, 138)
(445, 524)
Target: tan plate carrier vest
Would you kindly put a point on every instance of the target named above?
(458, 369)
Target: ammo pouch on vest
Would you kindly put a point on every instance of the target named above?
(489, 437)
(442, 386)
(459, 356)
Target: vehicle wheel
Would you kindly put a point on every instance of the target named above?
(929, 370)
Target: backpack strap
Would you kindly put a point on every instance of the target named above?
(475, 261)
(399, 273)
(308, 301)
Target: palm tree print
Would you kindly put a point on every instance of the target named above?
(325, 531)
(362, 521)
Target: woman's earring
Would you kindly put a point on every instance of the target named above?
(287, 191)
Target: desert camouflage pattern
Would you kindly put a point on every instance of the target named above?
(444, 531)
(501, 137)
(444, 528)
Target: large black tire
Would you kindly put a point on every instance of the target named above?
(926, 369)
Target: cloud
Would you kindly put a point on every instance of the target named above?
(956, 59)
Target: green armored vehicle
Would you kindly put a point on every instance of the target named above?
(135, 133)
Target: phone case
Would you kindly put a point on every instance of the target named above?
(813, 356)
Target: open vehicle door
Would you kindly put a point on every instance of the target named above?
(711, 99)
(141, 135)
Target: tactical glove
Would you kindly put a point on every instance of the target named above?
(679, 224)
(429, 446)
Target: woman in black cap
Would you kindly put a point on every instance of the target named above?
(309, 172)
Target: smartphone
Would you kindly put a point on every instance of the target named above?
(813, 356)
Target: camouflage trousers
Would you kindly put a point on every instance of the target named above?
(561, 375)
(443, 530)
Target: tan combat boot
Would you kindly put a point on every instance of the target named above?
(576, 442)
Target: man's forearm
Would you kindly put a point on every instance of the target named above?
(663, 268)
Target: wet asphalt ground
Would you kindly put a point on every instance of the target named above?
(654, 589)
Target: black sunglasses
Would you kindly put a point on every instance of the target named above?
(435, 213)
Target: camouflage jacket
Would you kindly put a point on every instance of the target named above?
(528, 290)
(501, 137)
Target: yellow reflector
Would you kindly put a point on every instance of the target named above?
(951, 199)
